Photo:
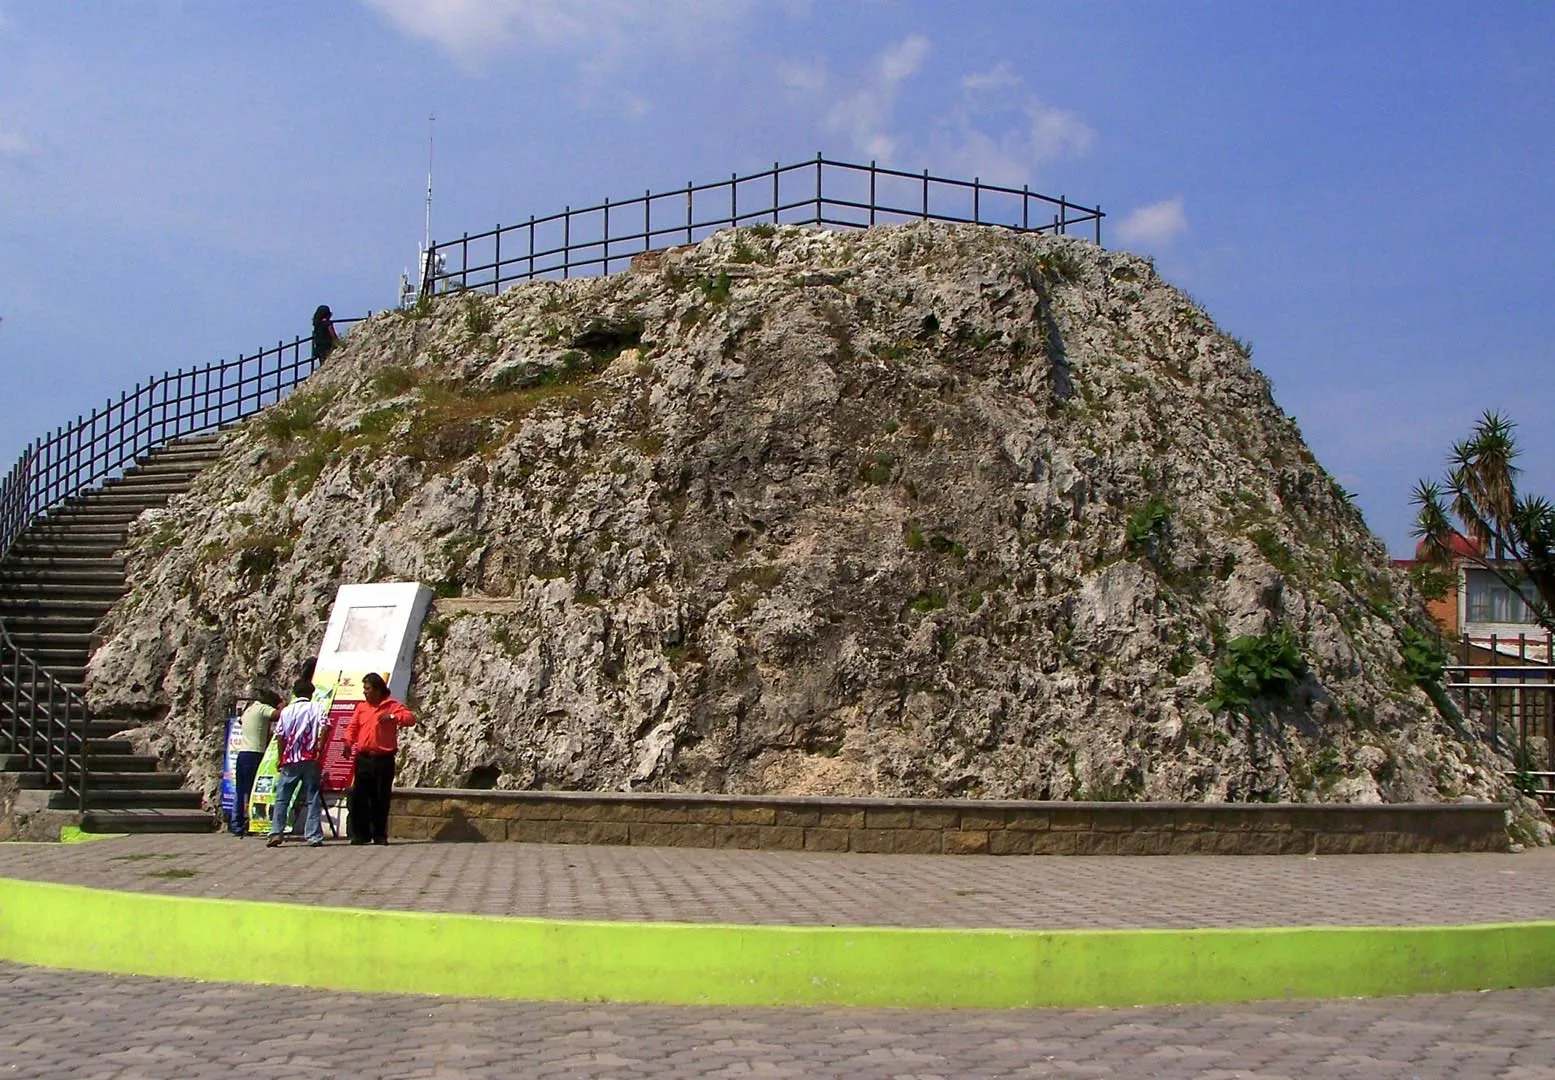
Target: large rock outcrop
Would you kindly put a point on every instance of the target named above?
(923, 510)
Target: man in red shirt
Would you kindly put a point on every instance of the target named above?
(372, 737)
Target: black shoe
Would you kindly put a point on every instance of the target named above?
(358, 843)
(380, 843)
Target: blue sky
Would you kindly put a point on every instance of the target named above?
(1362, 191)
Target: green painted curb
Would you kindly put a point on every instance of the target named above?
(67, 926)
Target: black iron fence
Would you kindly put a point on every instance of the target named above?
(836, 194)
(44, 722)
(100, 445)
(1505, 686)
(43, 725)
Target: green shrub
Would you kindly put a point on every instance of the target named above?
(1258, 667)
(928, 601)
(716, 289)
(392, 380)
(1148, 527)
(477, 316)
(1424, 660)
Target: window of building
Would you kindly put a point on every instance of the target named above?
(1490, 601)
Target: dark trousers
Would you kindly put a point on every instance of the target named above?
(247, 768)
(368, 805)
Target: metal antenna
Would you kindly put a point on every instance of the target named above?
(431, 133)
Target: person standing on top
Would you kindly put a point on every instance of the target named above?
(299, 735)
(254, 737)
(372, 736)
(324, 337)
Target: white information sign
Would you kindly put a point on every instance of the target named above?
(372, 628)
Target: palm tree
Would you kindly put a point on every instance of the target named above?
(1508, 530)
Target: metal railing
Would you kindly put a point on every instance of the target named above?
(1505, 686)
(102, 444)
(837, 194)
(44, 722)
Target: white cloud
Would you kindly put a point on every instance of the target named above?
(805, 78)
(473, 32)
(864, 114)
(1157, 224)
(1002, 132)
(13, 145)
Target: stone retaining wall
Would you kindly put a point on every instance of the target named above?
(948, 827)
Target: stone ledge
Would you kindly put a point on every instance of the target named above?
(945, 826)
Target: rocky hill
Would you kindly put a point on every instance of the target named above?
(924, 510)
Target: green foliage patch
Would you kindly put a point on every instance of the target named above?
(1257, 667)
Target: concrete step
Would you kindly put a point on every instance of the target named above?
(98, 733)
(63, 549)
(16, 610)
(146, 821)
(67, 568)
(129, 799)
(47, 635)
(118, 763)
(115, 500)
(73, 595)
(15, 769)
(98, 780)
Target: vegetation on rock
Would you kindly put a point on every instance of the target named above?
(925, 510)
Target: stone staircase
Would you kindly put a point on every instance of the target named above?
(59, 579)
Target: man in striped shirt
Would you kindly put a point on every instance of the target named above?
(300, 735)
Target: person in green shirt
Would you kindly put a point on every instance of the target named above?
(253, 739)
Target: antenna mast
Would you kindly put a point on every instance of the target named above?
(428, 266)
(431, 133)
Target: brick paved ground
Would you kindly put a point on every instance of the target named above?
(583, 882)
(94, 1027)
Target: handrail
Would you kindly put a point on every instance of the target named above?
(63, 752)
(56, 467)
(838, 194)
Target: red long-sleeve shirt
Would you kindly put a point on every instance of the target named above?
(374, 729)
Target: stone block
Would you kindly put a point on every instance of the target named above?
(982, 820)
(1343, 843)
(936, 819)
(694, 834)
(528, 832)
(609, 832)
(459, 829)
(714, 814)
(1095, 843)
(1069, 819)
(1014, 842)
(662, 814)
(752, 815)
(653, 833)
(802, 819)
(402, 827)
(1297, 842)
(416, 805)
(536, 809)
(917, 841)
(465, 807)
(1028, 821)
(962, 842)
(582, 811)
(567, 832)
(782, 838)
(738, 836)
(872, 841)
(1145, 842)
(841, 819)
(1122, 819)
(826, 839)
(887, 819)
(1063, 842)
